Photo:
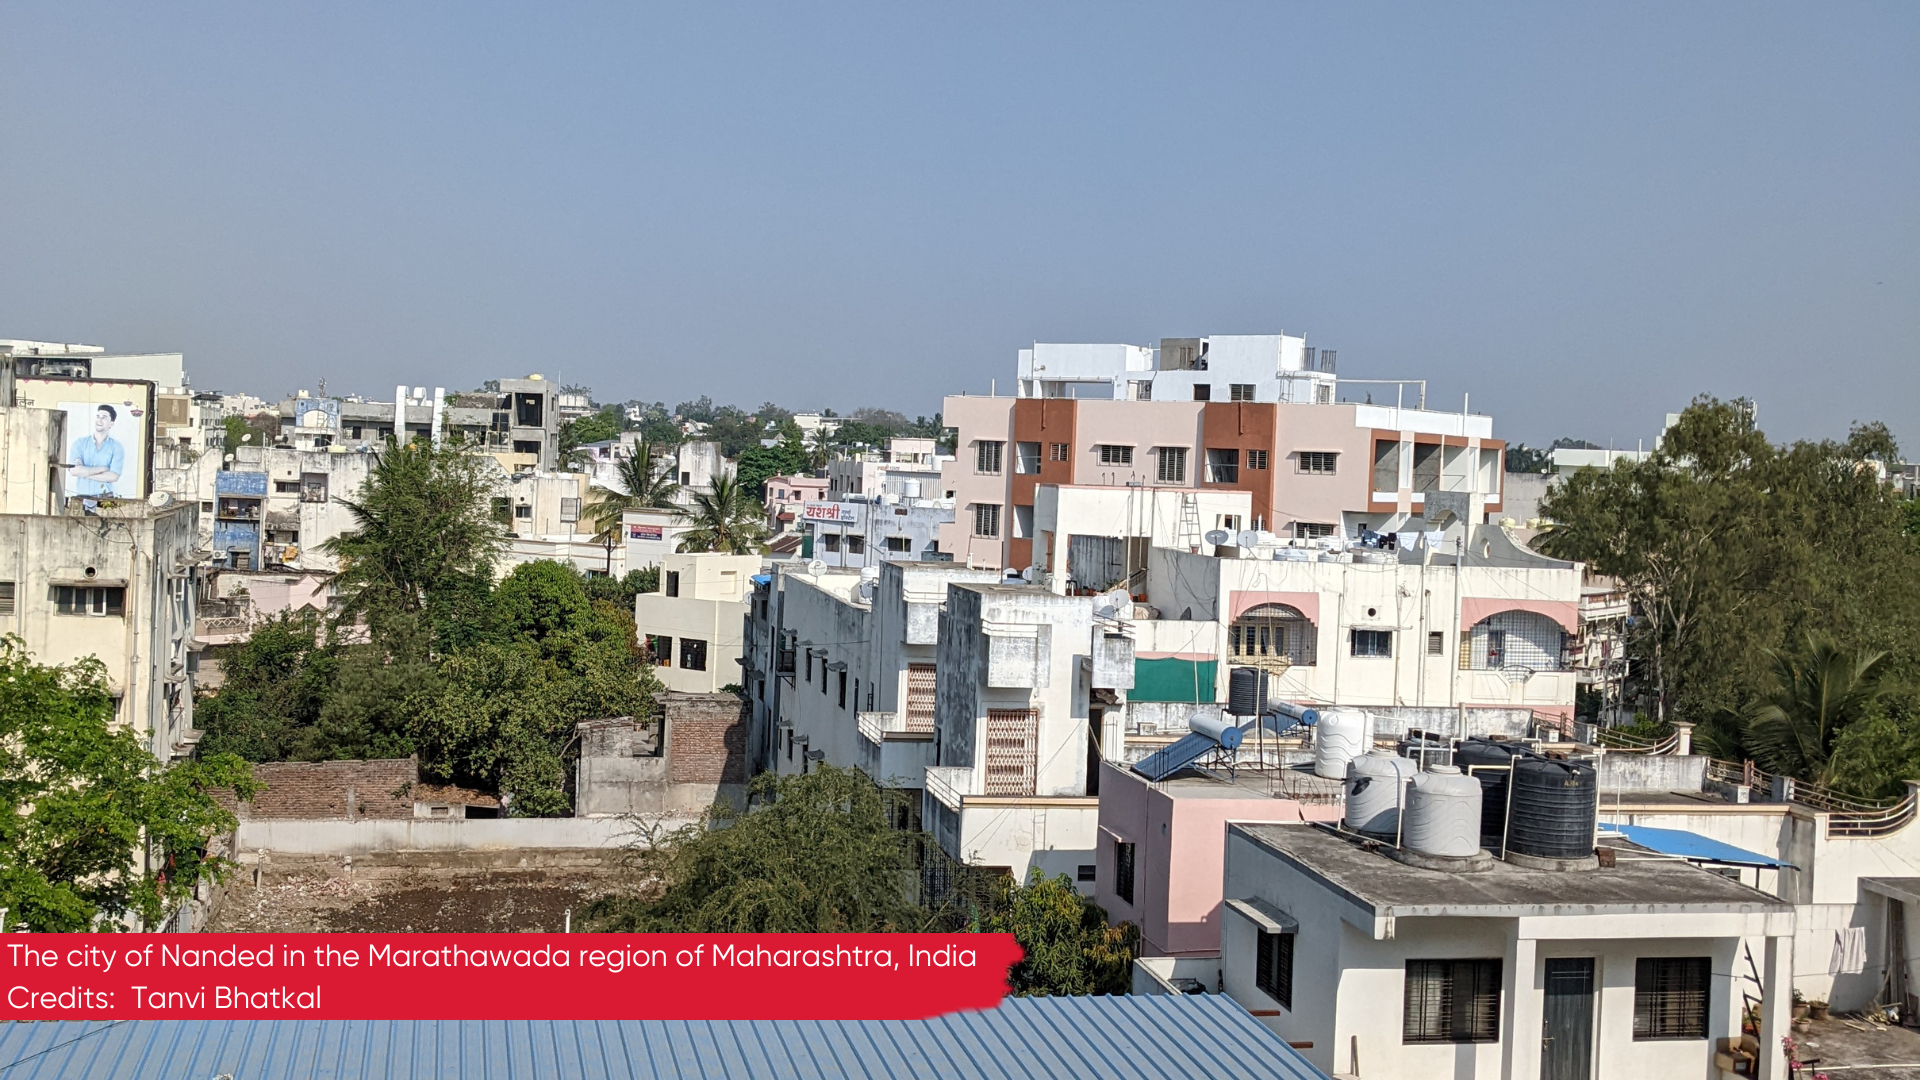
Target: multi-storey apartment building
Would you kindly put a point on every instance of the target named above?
(1252, 414)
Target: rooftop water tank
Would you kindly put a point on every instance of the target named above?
(1246, 691)
(1555, 804)
(1376, 790)
(1339, 737)
(1443, 814)
(1487, 760)
(1425, 747)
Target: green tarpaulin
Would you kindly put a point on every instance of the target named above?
(1172, 679)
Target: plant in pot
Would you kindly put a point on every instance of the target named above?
(1799, 1005)
(1818, 1008)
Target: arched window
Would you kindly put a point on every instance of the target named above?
(1517, 639)
(1274, 630)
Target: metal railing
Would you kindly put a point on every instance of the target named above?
(1847, 817)
(1615, 739)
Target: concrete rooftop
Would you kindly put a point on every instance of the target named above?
(1640, 883)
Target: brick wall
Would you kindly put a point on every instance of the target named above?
(706, 738)
(319, 790)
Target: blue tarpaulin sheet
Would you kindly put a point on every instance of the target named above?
(1692, 846)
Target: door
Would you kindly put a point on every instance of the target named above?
(1566, 1038)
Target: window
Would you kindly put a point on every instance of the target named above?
(1026, 458)
(1143, 390)
(1240, 391)
(986, 519)
(286, 487)
(1085, 872)
(1372, 643)
(1273, 967)
(1515, 639)
(1436, 643)
(1058, 452)
(1274, 630)
(693, 654)
(831, 541)
(843, 688)
(1319, 461)
(206, 508)
(1202, 392)
(923, 682)
(1123, 870)
(524, 512)
(1452, 1001)
(6, 597)
(672, 582)
(72, 600)
(569, 509)
(661, 647)
(986, 457)
(1311, 530)
(1115, 455)
(1670, 997)
(856, 545)
(528, 410)
(1223, 466)
(898, 545)
(1012, 757)
(1173, 465)
(1256, 459)
(1229, 522)
(526, 446)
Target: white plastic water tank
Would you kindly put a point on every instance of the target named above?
(1376, 790)
(1443, 813)
(1339, 737)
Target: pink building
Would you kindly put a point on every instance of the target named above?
(1161, 850)
(787, 497)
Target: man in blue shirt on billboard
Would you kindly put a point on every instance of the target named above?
(98, 459)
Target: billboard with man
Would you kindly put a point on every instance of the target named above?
(109, 433)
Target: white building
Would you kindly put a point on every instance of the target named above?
(1373, 967)
(1244, 367)
(695, 623)
(856, 533)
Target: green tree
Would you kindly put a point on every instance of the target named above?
(501, 714)
(368, 712)
(1732, 549)
(99, 828)
(596, 427)
(1809, 701)
(725, 519)
(815, 854)
(646, 475)
(422, 523)
(1069, 947)
(274, 685)
(761, 462)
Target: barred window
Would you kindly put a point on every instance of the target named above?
(1115, 455)
(1058, 452)
(1223, 466)
(1123, 870)
(986, 519)
(1452, 1001)
(987, 457)
(899, 544)
(71, 600)
(1240, 391)
(1670, 997)
(1372, 643)
(6, 597)
(1172, 467)
(1273, 967)
(1311, 530)
(1319, 461)
(1256, 459)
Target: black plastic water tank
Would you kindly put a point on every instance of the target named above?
(1482, 751)
(1555, 804)
(1246, 691)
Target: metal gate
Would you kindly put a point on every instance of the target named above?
(1013, 750)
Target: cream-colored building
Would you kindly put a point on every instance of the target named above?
(115, 581)
(695, 623)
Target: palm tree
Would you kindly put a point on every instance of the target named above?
(648, 487)
(1807, 703)
(725, 519)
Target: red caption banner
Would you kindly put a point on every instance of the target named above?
(502, 976)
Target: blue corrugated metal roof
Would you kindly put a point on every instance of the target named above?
(1196, 1037)
(1691, 845)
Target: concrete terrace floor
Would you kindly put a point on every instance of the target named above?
(1839, 1047)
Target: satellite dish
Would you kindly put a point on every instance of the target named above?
(1248, 538)
(1219, 538)
(159, 499)
(816, 566)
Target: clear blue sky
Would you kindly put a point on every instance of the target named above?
(1582, 216)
